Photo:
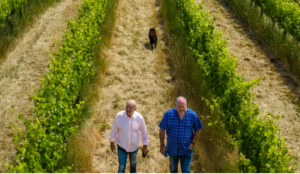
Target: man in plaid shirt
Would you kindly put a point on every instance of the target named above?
(183, 128)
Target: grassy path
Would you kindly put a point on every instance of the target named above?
(21, 70)
(135, 72)
(276, 93)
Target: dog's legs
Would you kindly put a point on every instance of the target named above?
(151, 43)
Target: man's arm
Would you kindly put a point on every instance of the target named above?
(113, 135)
(196, 135)
(162, 134)
(163, 147)
(144, 136)
(197, 126)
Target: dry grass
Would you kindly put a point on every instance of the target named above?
(134, 72)
(79, 147)
(276, 88)
(21, 25)
(20, 72)
(214, 151)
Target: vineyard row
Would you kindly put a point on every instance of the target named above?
(42, 146)
(283, 12)
(258, 139)
(8, 8)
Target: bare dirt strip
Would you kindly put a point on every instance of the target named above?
(21, 70)
(135, 72)
(276, 93)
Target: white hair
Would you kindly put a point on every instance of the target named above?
(132, 100)
(176, 101)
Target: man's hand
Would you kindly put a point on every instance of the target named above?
(145, 149)
(112, 146)
(163, 150)
(191, 147)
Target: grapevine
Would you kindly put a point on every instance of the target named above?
(258, 139)
(42, 146)
(283, 12)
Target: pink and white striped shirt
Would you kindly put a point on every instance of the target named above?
(126, 131)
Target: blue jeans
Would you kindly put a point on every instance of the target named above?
(122, 155)
(185, 162)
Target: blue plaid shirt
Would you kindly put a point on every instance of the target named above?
(180, 133)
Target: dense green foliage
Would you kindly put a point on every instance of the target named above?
(285, 49)
(41, 147)
(7, 7)
(15, 18)
(283, 12)
(10, 7)
(258, 140)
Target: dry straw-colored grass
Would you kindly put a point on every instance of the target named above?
(21, 70)
(276, 91)
(134, 72)
(79, 147)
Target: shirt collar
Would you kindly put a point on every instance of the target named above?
(187, 111)
(134, 114)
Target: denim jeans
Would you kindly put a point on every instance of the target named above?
(122, 155)
(185, 162)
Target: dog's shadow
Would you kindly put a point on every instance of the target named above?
(148, 46)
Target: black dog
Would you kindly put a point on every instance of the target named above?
(152, 37)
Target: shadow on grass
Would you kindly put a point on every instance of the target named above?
(148, 46)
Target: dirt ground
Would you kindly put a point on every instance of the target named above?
(135, 72)
(276, 93)
(21, 70)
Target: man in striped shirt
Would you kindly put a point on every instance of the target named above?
(127, 128)
(182, 126)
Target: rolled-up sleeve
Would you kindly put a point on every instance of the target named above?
(144, 134)
(114, 131)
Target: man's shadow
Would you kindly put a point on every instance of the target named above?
(148, 46)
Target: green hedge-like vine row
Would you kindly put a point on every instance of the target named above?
(258, 141)
(284, 12)
(11, 7)
(41, 147)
